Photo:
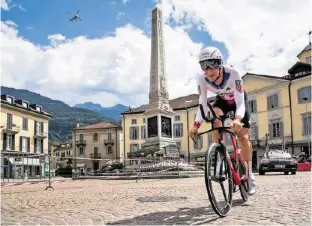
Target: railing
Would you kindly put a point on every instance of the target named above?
(10, 127)
(41, 134)
(95, 156)
(108, 141)
(80, 142)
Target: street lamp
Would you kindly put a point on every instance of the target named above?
(305, 99)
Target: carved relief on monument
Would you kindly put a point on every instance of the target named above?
(166, 126)
(152, 129)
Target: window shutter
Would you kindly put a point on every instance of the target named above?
(28, 143)
(181, 129)
(35, 144)
(268, 103)
(256, 133)
(4, 141)
(35, 122)
(41, 145)
(13, 142)
(138, 133)
(130, 133)
(255, 106)
(21, 144)
(281, 125)
(271, 130)
(41, 127)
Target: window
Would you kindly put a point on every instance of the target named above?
(38, 108)
(10, 100)
(95, 150)
(9, 121)
(9, 144)
(95, 136)
(143, 132)
(38, 146)
(25, 105)
(252, 106)
(143, 120)
(134, 133)
(25, 123)
(134, 121)
(109, 150)
(306, 122)
(109, 136)
(253, 132)
(134, 147)
(272, 101)
(304, 92)
(178, 129)
(199, 143)
(308, 60)
(24, 144)
(38, 128)
(177, 118)
(81, 150)
(276, 129)
(80, 136)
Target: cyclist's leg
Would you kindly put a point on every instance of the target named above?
(219, 107)
(246, 149)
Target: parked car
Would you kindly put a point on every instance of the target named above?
(278, 161)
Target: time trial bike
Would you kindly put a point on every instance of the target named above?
(230, 167)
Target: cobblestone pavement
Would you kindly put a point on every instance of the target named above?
(281, 199)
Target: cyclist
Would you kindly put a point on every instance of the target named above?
(225, 82)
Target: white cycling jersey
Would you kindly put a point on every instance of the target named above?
(231, 90)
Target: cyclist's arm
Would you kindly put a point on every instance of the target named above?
(202, 91)
(239, 95)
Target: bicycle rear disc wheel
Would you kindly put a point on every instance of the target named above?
(212, 175)
(243, 187)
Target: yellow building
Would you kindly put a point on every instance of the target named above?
(94, 145)
(24, 132)
(276, 106)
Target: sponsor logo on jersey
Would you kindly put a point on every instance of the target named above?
(239, 86)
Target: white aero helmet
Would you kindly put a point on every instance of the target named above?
(210, 53)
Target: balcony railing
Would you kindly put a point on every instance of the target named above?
(39, 134)
(108, 141)
(10, 128)
(80, 143)
(95, 156)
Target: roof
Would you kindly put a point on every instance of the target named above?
(18, 106)
(299, 65)
(180, 103)
(100, 125)
(265, 76)
(308, 47)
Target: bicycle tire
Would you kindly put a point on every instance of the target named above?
(243, 187)
(217, 148)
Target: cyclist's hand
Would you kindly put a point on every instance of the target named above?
(193, 132)
(236, 125)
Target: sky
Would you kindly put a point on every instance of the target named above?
(105, 58)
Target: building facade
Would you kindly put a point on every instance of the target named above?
(279, 115)
(24, 136)
(95, 145)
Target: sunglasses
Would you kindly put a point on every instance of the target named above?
(210, 64)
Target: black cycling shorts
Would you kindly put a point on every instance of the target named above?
(227, 108)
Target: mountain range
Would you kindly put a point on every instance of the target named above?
(64, 116)
(110, 112)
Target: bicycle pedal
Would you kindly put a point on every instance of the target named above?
(218, 178)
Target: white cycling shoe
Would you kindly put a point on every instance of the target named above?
(251, 184)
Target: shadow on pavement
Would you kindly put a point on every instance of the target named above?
(183, 216)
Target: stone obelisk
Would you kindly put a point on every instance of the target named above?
(159, 114)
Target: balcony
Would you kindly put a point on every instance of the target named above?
(108, 142)
(80, 143)
(39, 134)
(95, 156)
(10, 128)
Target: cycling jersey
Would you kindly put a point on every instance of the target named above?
(230, 90)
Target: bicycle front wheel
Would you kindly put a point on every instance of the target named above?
(217, 171)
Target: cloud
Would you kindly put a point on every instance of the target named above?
(125, 1)
(5, 4)
(260, 36)
(119, 15)
(29, 27)
(106, 70)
